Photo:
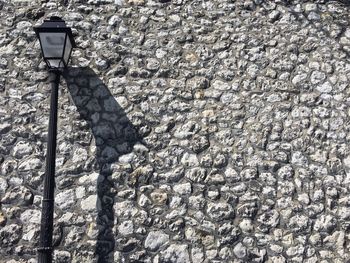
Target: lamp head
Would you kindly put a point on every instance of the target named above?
(56, 42)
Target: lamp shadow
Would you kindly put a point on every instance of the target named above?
(114, 135)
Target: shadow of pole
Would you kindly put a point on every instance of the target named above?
(114, 135)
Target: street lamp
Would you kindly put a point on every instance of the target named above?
(56, 42)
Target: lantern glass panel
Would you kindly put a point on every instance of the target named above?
(52, 44)
(55, 63)
(67, 50)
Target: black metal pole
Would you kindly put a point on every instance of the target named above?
(45, 246)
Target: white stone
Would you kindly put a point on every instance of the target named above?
(299, 78)
(220, 85)
(66, 199)
(239, 250)
(31, 216)
(126, 227)
(122, 101)
(30, 164)
(246, 225)
(325, 87)
(80, 155)
(189, 159)
(22, 149)
(114, 20)
(347, 33)
(155, 240)
(3, 185)
(176, 254)
(89, 178)
(119, 2)
(317, 77)
(89, 203)
(183, 189)
(127, 158)
(80, 192)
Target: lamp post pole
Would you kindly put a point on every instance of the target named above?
(56, 42)
(45, 247)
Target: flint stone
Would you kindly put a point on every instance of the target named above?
(155, 240)
(10, 235)
(197, 83)
(197, 254)
(220, 85)
(196, 175)
(172, 176)
(5, 127)
(317, 77)
(183, 189)
(61, 256)
(126, 227)
(159, 197)
(246, 225)
(269, 219)
(189, 160)
(240, 251)
(125, 209)
(299, 159)
(3, 185)
(64, 200)
(298, 223)
(31, 216)
(299, 78)
(220, 211)
(31, 232)
(30, 164)
(231, 175)
(19, 195)
(89, 179)
(89, 203)
(22, 149)
(325, 223)
(175, 254)
(325, 87)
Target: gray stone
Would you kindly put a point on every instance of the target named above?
(61, 256)
(5, 127)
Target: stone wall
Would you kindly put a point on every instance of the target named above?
(188, 131)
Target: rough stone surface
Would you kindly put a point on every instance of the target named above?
(156, 239)
(188, 131)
